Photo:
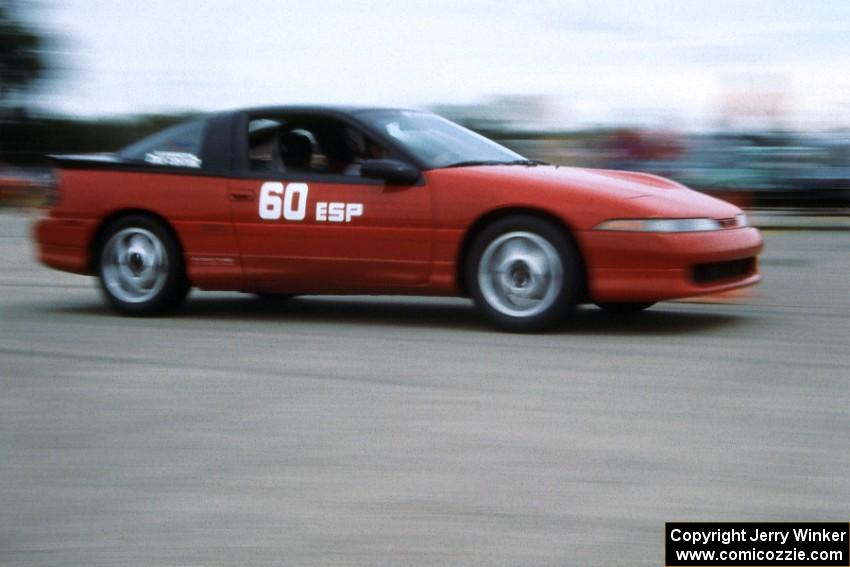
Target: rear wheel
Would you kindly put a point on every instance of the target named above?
(626, 307)
(524, 273)
(140, 267)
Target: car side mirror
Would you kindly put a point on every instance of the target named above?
(390, 170)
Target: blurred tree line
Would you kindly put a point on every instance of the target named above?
(22, 61)
(25, 140)
(25, 136)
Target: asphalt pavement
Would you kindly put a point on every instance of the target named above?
(404, 431)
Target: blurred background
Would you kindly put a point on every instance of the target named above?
(746, 100)
(372, 431)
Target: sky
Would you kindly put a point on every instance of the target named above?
(601, 61)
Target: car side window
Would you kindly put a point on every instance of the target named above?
(178, 146)
(309, 144)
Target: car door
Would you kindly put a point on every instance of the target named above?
(318, 230)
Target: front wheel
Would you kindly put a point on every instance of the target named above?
(524, 273)
(140, 267)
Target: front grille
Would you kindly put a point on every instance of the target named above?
(713, 271)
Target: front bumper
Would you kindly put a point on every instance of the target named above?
(643, 266)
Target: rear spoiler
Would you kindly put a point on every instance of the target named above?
(105, 161)
(85, 161)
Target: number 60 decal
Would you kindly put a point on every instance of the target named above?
(292, 201)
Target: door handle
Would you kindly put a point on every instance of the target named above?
(241, 195)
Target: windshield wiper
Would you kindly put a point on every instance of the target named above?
(472, 162)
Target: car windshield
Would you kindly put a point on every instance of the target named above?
(438, 142)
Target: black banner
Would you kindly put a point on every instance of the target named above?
(757, 544)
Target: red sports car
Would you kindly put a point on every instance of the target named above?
(330, 200)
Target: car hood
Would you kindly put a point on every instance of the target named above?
(634, 193)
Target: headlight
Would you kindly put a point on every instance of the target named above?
(660, 225)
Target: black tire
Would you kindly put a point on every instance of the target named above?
(506, 294)
(626, 307)
(140, 266)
